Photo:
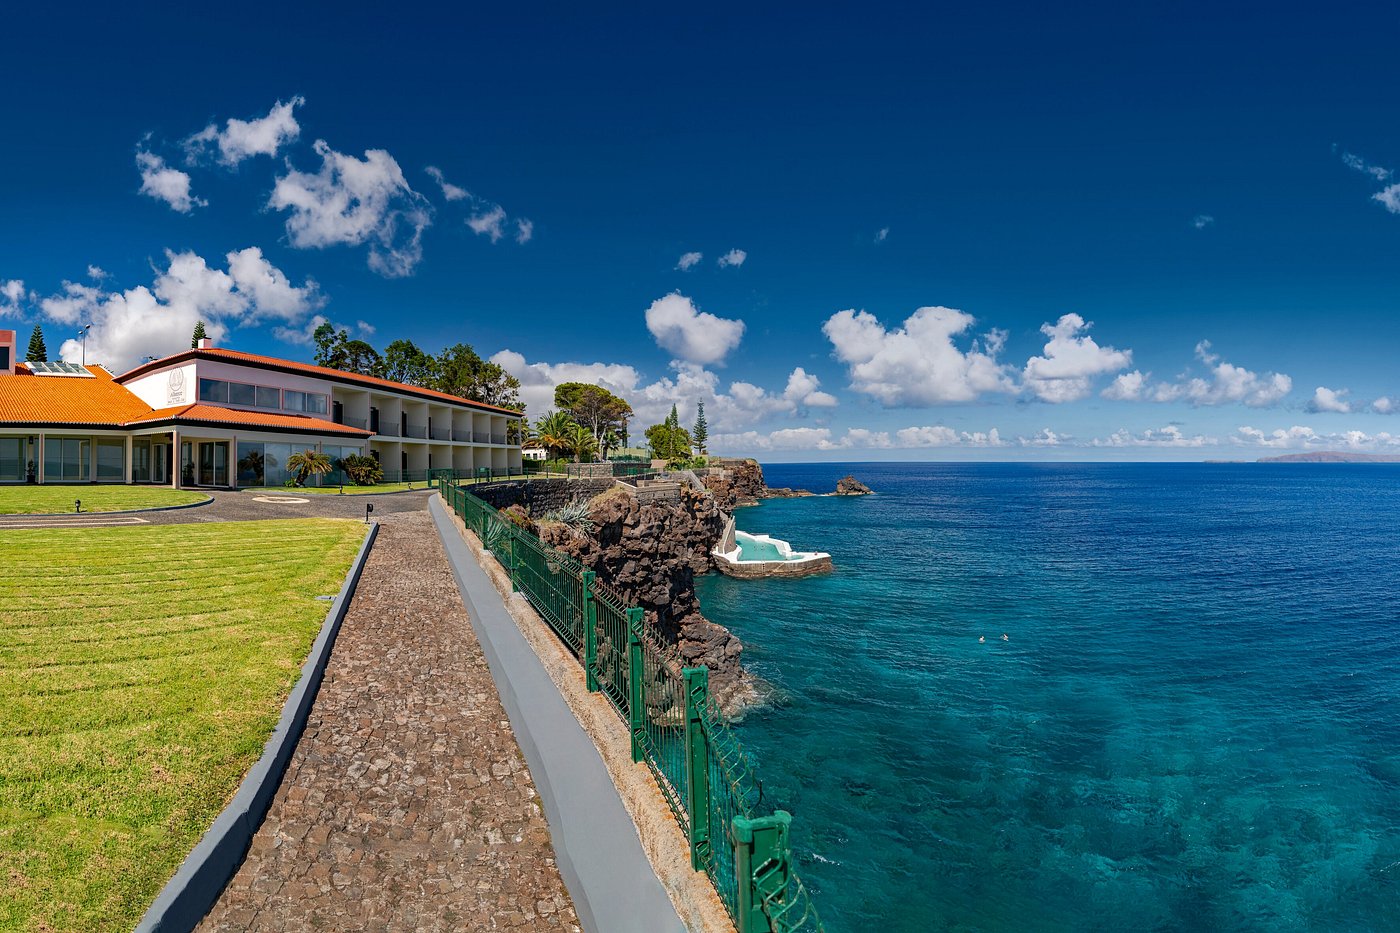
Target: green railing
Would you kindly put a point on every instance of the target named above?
(677, 729)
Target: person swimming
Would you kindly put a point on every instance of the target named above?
(1005, 637)
(981, 638)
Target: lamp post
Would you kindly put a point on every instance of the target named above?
(82, 335)
(369, 507)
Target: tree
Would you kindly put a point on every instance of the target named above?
(308, 463)
(38, 353)
(461, 372)
(362, 470)
(330, 345)
(405, 362)
(668, 441)
(582, 444)
(554, 431)
(360, 357)
(594, 407)
(701, 432)
(199, 335)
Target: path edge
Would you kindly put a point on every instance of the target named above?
(196, 885)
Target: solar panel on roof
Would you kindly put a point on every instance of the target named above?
(58, 369)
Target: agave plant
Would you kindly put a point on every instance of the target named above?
(575, 514)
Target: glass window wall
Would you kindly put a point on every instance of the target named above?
(67, 459)
(111, 459)
(12, 459)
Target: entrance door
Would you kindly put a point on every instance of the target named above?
(160, 463)
(213, 463)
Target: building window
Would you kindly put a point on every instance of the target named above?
(141, 460)
(12, 463)
(252, 465)
(66, 459)
(240, 393)
(111, 459)
(310, 402)
(268, 397)
(213, 390)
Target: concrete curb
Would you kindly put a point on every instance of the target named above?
(200, 879)
(599, 853)
(155, 508)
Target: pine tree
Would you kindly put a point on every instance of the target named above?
(38, 353)
(701, 432)
(673, 420)
(199, 335)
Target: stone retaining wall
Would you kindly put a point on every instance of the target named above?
(540, 496)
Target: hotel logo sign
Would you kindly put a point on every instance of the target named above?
(175, 387)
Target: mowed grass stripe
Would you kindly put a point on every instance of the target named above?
(45, 500)
(141, 670)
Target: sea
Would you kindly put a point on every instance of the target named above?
(1083, 697)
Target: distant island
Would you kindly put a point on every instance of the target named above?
(1332, 456)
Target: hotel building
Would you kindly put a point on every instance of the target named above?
(222, 418)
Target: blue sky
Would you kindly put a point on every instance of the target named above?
(1203, 192)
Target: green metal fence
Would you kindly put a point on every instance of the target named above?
(677, 729)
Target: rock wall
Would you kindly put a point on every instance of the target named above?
(742, 486)
(540, 496)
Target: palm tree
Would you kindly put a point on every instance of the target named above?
(308, 463)
(611, 440)
(581, 442)
(553, 432)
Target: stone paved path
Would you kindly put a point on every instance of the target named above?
(407, 805)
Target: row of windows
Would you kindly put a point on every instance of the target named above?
(250, 396)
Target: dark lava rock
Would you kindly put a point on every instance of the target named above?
(850, 486)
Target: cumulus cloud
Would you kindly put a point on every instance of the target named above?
(1043, 438)
(11, 296)
(918, 363)
(735, 258)
(490, 222)
(1071, 360)
(356, 201)
(243, 139)
(1301, 437)
(1383, 405)
(524, 231)
(1325, 399)
(164, 183)
(689, 260)
(1227, 383)
(156, 320)
(691, 334)
(1201, 221)
(1169, 436)
(802, 390)
(450, 192)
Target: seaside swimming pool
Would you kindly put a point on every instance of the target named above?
(1194, 722)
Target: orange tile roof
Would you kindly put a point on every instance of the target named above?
(44, 400)
(269, 362)
(214, 414)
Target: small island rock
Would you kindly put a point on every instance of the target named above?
(850, 486)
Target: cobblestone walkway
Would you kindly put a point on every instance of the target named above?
(407, 805)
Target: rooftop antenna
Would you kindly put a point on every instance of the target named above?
(82, 335)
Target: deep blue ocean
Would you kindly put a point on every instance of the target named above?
(1193, 724)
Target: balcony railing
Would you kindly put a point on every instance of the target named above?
(498, 438)
(415, 430)
(440, 434)
(459, 435)
(388, 430)
(361, 423)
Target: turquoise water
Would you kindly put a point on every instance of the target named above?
(1193, 725)
(749, 549)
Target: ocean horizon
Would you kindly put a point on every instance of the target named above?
(1051, 696)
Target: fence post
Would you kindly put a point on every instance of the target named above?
(697, 765)
(590, 632)
(762, 863)
(514, 586)
(636, 681)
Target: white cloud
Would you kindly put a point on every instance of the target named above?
(164, 183)
(943, 436)
(1325, 399)
(450, 192)
(1390, 197)
(1043, 438)
(1301, 437)
(918, 363)
(689, 260)
(96, 272)
(11, 297)
(1169, 436)
(1384, 405)
(1359, 164)
(1227, 383)
(524, 230)
(735, 258)
(489, 223)
(243, 139)
(853, 439)
(882, 234)
(691, 334)
(1202, 221)
(355, 201)
(802, 391)
(1071, 360)
(156, 320)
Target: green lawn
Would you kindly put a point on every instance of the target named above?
(31, 500)
(141, 670)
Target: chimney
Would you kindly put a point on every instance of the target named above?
(206, 343)
(9, 352)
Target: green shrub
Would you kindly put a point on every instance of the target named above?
(363, 471)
